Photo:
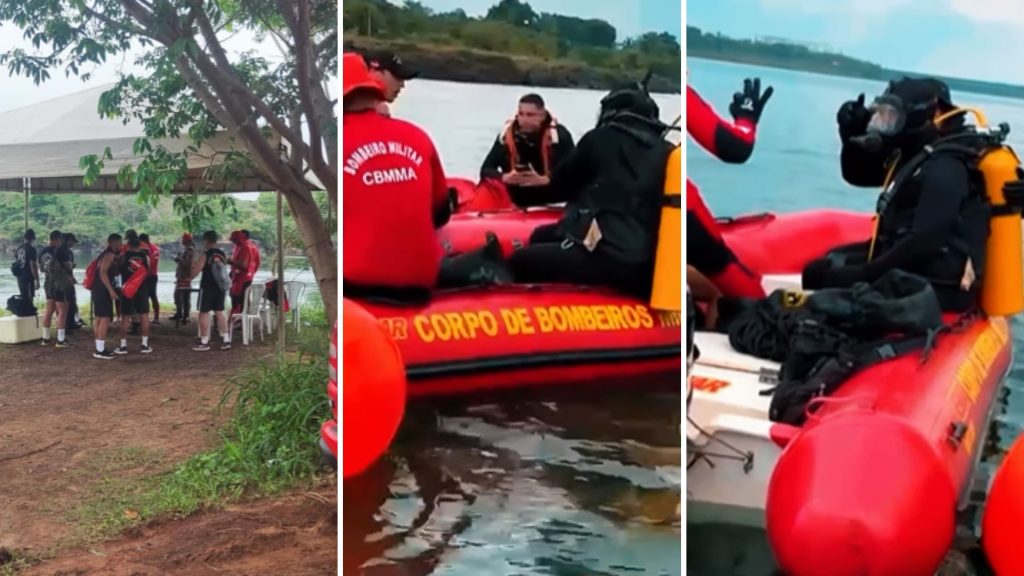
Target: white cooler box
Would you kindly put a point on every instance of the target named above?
(14, 330)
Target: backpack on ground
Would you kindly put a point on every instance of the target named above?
(21, 307)
(842, 332)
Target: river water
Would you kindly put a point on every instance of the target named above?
(165, 281)
(582, 485)
(795, 166)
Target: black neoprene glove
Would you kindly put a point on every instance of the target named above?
(749, 104)
(853, 118)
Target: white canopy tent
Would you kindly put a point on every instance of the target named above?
(41, 146)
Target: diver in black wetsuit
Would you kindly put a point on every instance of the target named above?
(614, 183)
(933, 219)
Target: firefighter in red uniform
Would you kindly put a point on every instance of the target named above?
(733, 143)
(395, 195)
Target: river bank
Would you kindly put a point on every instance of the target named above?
(457, 64)
(844, 67)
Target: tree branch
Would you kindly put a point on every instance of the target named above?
(126, 26)
(204, 94)
(307, 76)
(327, 39)
(213, 44)
(233, 87)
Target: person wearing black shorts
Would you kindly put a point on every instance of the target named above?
(74, 318)
(104, 294)
(138, 304)
(151, 280)
(212, 262)
(45, 256)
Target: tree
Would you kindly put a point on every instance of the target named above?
(192, 87)
(655, 43)
(578, 32)
(513, 12)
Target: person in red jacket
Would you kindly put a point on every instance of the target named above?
(733, 143)
(396, 194)
(240, 263)
(152, 280)
(254, 255)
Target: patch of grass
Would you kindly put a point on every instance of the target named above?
(17, 562)
(116, 497)
(268, 445)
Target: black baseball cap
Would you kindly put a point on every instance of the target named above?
(390, 62)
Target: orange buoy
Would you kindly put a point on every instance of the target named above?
(373, 389)
(1004, 515)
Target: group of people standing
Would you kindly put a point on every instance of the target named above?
(397, 196)
(123, 279)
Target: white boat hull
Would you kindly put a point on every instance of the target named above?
(730, 452)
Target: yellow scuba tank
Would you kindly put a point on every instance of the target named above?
(666, 288)
(1002, 284)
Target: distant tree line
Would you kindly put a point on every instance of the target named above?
(512, 27)
(93, 217)
(781, 54)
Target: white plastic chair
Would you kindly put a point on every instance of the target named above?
(295, 289)
(250, 314)
(268, 310)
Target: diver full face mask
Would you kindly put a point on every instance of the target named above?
(895, 122)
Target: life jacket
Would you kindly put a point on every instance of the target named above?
(548, 138)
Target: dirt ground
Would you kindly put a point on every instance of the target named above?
(296, 535)
(69, 423)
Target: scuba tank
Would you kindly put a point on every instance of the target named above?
(1002, 287)
(666, 289)
(1002, 283)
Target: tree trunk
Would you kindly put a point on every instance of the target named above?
(319, 248)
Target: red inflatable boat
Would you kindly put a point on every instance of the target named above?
(485, 339)
(871, 484)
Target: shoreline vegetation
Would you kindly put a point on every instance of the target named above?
(512, 44)
(91, 217)
(789, 55)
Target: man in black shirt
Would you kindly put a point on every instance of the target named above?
(45, 257)
(213, 285)
(74, 318)
(27, 264)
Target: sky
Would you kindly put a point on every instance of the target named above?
(19, 91)
(980, 39)
(630, 17)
